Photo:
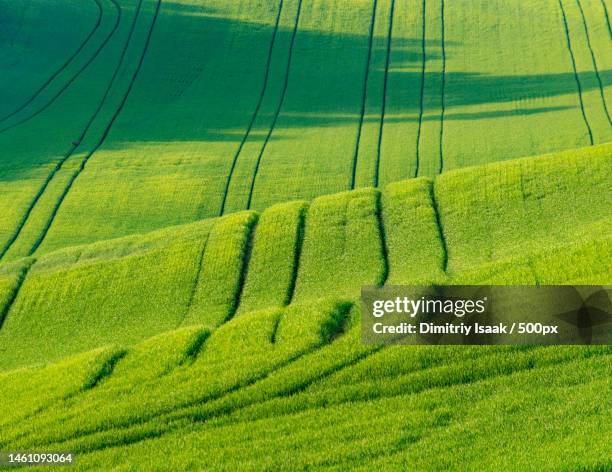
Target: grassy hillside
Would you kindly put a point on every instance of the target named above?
(290, 100)
(533, 220)
(193, 193)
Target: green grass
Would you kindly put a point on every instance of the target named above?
(499, 211)
(276, 249)
(248, 122)
(222, 266)
(95, 295)
(193, 193)
(535, 220)
(416, 253)
(342, 235)
(35, 148)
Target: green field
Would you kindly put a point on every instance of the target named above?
(193, 193)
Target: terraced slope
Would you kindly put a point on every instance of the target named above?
(193, 193)
(533, 220)
(291, 100)
(275, 377)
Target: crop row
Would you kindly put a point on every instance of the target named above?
(504, 223)
(277, 363)
(317, 100)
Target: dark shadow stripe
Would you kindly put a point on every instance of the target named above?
(384, 250)
(244, 268)
(443, 91)
(75, 76)
(384, 97)
(76, 144)
(578, 85)
(63, 67)
(256, 112)
(172, 418)
(105, 371)
(275, 326)
(364, 94)
(605, 8)
(23, 273)
(104, 135)
(438, 219)
(194, 349)
(196, 282)
(280, 104)
(297, 254)
(593, 58)
(422, 90)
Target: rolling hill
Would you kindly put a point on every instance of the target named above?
(193, 193)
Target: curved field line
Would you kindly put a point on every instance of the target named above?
(573, 59)
(280, 104)
(422, 91)
(438, 218)
(384, 249)
(196, 282)
(171, 419)
(75, 76)
(53, 76)
(255, 112)
(603, 4)
(245, 259)
(297, 255)
(23, 273)
(186, 407)
(595, 68)
(443, 88)
(384, 97)
(104, 134)
(75, 145)
(59, 164)
(364, 95)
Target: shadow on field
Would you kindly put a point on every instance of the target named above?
(203, 75)
(325, 80)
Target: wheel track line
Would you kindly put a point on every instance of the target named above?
(245, 259)
(75, 76)
(74, 147)
(59, 164)
(255, 112)
(280, 105)
(443, 87)
(172, 420)
(196, 282)
(297, 254)
(438, 219)
(594, 60)
(605, 8)
(104, 134)
(23, 273)
(460, 382)
(576, 76)
(365, 92)
(61, 68)
(384, 249)
(186, 408)
(422, 90)
(384, 97)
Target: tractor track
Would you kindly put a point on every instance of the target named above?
(384, 97)
(63, 67)
(255, 112)
(104, 134)
(75, 76)
(278, 108)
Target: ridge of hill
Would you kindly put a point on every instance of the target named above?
(535, 220)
